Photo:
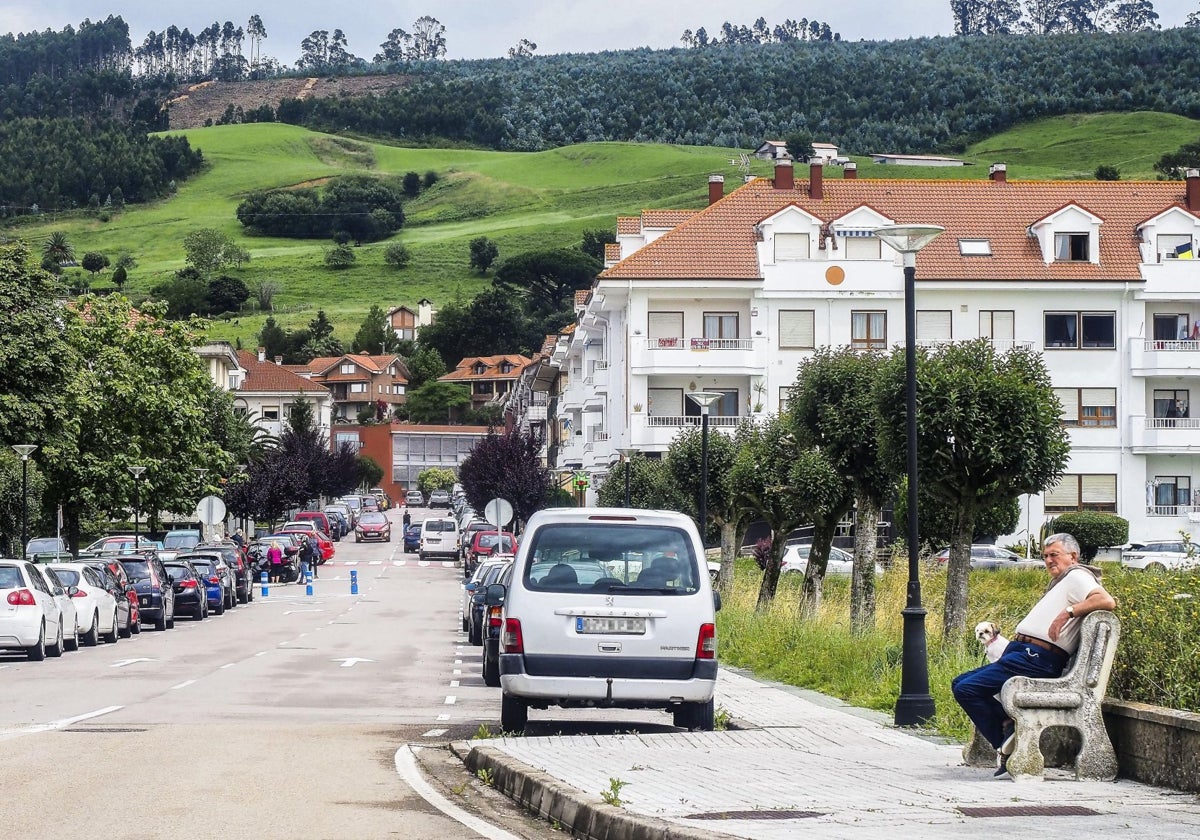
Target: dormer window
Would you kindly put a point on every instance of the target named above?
(348, 367)
(791, 246)
(480, 368)
(1175, 246)
(506, 367)
(1072, 247)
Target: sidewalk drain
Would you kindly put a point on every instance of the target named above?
(1030, 811)
(753, 815)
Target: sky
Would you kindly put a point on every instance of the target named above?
(487, 28)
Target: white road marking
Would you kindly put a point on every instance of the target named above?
(457, 672)
(434, 733)
(351, 563)
(262, 653)
(351, 661)
(183, 684)
(406, 768)
(443, 717)
(376, 563)
(399, 562)
(121, 663)
(227, 665)
(451, 700)
(293, 612)
(58, 724)
(454, 683)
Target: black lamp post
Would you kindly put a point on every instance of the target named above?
(25, 450)
(914, 706)
(627, 453)
(704, 399)
(137, 502)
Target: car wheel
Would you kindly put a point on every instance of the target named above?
(171, 620)
(491, 671)
(56, 649)
(220, 609)
(135, 627)
(474, 634)
(110, 638)
(127, 632)
(693, 716)
(37, 651)
(160, 623)
(92, 637)
(72, 643)
(514, 713)
(1156, 569)
(198, 612)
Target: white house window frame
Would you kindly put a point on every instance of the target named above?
(1077, 492)
(1088, 407)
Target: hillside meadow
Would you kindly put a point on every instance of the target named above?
(522, 200)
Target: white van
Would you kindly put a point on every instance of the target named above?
(439, 538)
(609, 607)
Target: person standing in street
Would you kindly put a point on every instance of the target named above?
(275, 562)
(305, 557)
(1042, 646)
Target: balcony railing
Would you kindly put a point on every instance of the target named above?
(693, 420)
(1173, 422)
(1183, 346)
(1192, 512)
(699, 343)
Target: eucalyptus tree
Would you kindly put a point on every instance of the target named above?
(832, 408)
(988, 431)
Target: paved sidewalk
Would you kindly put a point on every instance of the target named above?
(802, 764)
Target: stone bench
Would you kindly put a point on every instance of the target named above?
(1072, 701)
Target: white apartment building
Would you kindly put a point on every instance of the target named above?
(1096, 275)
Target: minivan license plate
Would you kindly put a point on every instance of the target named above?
(610, 624)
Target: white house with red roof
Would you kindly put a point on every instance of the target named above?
(268, 388)
(1097, 275)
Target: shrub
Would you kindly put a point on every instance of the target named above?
(396, 255)
(762, 552)
(339, 257)
(1093, 530)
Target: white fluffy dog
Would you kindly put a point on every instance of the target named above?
(993, 642)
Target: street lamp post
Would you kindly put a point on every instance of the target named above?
(25, 450)
(914, 706)
(704, 399)
(202, 472)
(627, 453)
(137, 503)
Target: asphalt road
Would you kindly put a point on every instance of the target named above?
(294, 716)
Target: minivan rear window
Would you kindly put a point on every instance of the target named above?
(137, 569)
(439, 525)
(602, 557)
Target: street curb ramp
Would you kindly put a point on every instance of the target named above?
(585, 817)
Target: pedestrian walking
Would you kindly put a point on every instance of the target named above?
(407, 519)
(310, 555)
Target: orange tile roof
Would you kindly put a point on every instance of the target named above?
(718, 242)
(465, 369)
(269, 377)
(629, 225)
(612, 252)
(665, 218)
(581, 297)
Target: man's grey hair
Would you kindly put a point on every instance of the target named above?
(1065, 540)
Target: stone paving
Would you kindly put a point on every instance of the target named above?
(840, 772)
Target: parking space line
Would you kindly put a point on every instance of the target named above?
(443, 717)
(183, 684)
(454, 683)
(434, 733)
(451, 700)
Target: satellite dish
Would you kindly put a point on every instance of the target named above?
(498, 512)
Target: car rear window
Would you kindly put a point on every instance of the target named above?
(10, 578)
(137, 569)
(181, 541)
(67, 577)
(177, 572)
(599, 557)
(440, 525)
(485, 540)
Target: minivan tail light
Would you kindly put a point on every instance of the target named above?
(494, 618)
(706, 644)
(21, 598)
(512, 641)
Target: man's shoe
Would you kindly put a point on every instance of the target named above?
(1003, 768)
(1008, 730)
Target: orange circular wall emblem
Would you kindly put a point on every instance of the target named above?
(834, 275)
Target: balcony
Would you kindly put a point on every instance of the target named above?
(1170, 435)
(597, 375)
(1148, 357)
(681, 354)
(1184, 513)
(654, 433)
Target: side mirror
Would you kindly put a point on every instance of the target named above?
(471, 586)
(493, 596)
(72, 591)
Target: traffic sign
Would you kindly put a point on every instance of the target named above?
(498, 512)
(211, 510)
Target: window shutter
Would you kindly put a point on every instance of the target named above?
(791, 246)
(1069, 397)
(1100, 397)
(996, 324)
(665, 325)
(797, 327)
(666, 402)
(1065, 494)
(933, 325)
(1099, 489)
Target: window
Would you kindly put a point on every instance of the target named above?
(664, 329)
(997, 324)
(358, 387)
(1171, 327)
(1089, 330)
(868, 330)
(1172, 490)
(796, 328)
(270, 413)
(933, 325)
(1170, 405)
(860, 247)
(975, 247)
(720, 325)
(1072, 247)
(347, 367)
(665, 402)
(480, 368)
(726, 406)
(791, 246)
(506, 367)
(1088, 406)
(1083, 492)
(1175, 246)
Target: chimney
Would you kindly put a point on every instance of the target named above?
(816, 183)
(850, 172)
(716, 188)
(998, 172)
(784, 178)
(279, 360)
(262, 354)
(1193, 189)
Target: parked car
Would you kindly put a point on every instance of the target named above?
(117, 578)
(318, 518)
(466, 533)
(493, 624)
(1159, 556)
(191, 590)
(64, 595)
(992, 558)
(156, 598)
(381, 496)
(414, 498)
(48, 546)
(177, 540)
(795, 559)
(484, 544)
(214, 585)
(339, 520)
(310, 529)
(439, 538)
(476, 607)
(240, 579)
(29, 613)
(373, 525)
(641, 635)
(412, 538)
(123, 543)
(469, 587)
(96, 614)
(371, 503)
(355, 505)
(439, 498)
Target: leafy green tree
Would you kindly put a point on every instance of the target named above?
(226, 294)
(507, 466)
(273, 338)
(436, 402)
(425, 365)
(94, 262)
(369, 472)
(412, 184)
(1132, 16)
(493, 322)
(935, 522)
(208, 251)
(594, 241)
(435, 478)
(1104, 172)
(340, 257)
(988, 430)
(483, 253)
(547, 280)
(397, 255)
(429, 179)
(120, 277)
(374, 335)
(185, 294)
(652, 486)
(800, 147)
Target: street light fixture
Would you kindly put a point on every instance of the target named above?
(627, 453)
(25, 450)
(704, 399)
(137, 502)
(914, 706)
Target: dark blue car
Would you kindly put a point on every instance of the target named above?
(213, 584)
(412, 538)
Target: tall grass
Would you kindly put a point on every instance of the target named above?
(1158, 659)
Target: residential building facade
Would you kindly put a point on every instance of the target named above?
(490, 378)
(268, 389)
(360, 384)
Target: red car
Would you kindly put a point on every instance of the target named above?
(310, 529)
(483, 543)
(373, 525)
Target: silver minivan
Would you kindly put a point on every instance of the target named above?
(609, 607)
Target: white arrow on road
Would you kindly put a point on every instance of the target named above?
(350, 662)
(121, 663)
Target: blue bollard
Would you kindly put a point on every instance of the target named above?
(263, 579)
(308, 584)
(354, 581)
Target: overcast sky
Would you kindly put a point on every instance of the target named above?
(487, 28)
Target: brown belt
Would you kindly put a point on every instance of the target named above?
(1043, 644)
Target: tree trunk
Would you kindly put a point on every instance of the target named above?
(770, 581)
(954, 613)
(729, 549)
(862, 582)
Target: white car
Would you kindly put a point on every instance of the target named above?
(439, 538)
(66, 606)
(1159, 556)
(95, 606)
(29, 612)
(841, 562)
(609, 607)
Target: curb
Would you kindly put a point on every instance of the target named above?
(585, 817)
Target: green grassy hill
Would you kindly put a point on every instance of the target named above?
(521, 200)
